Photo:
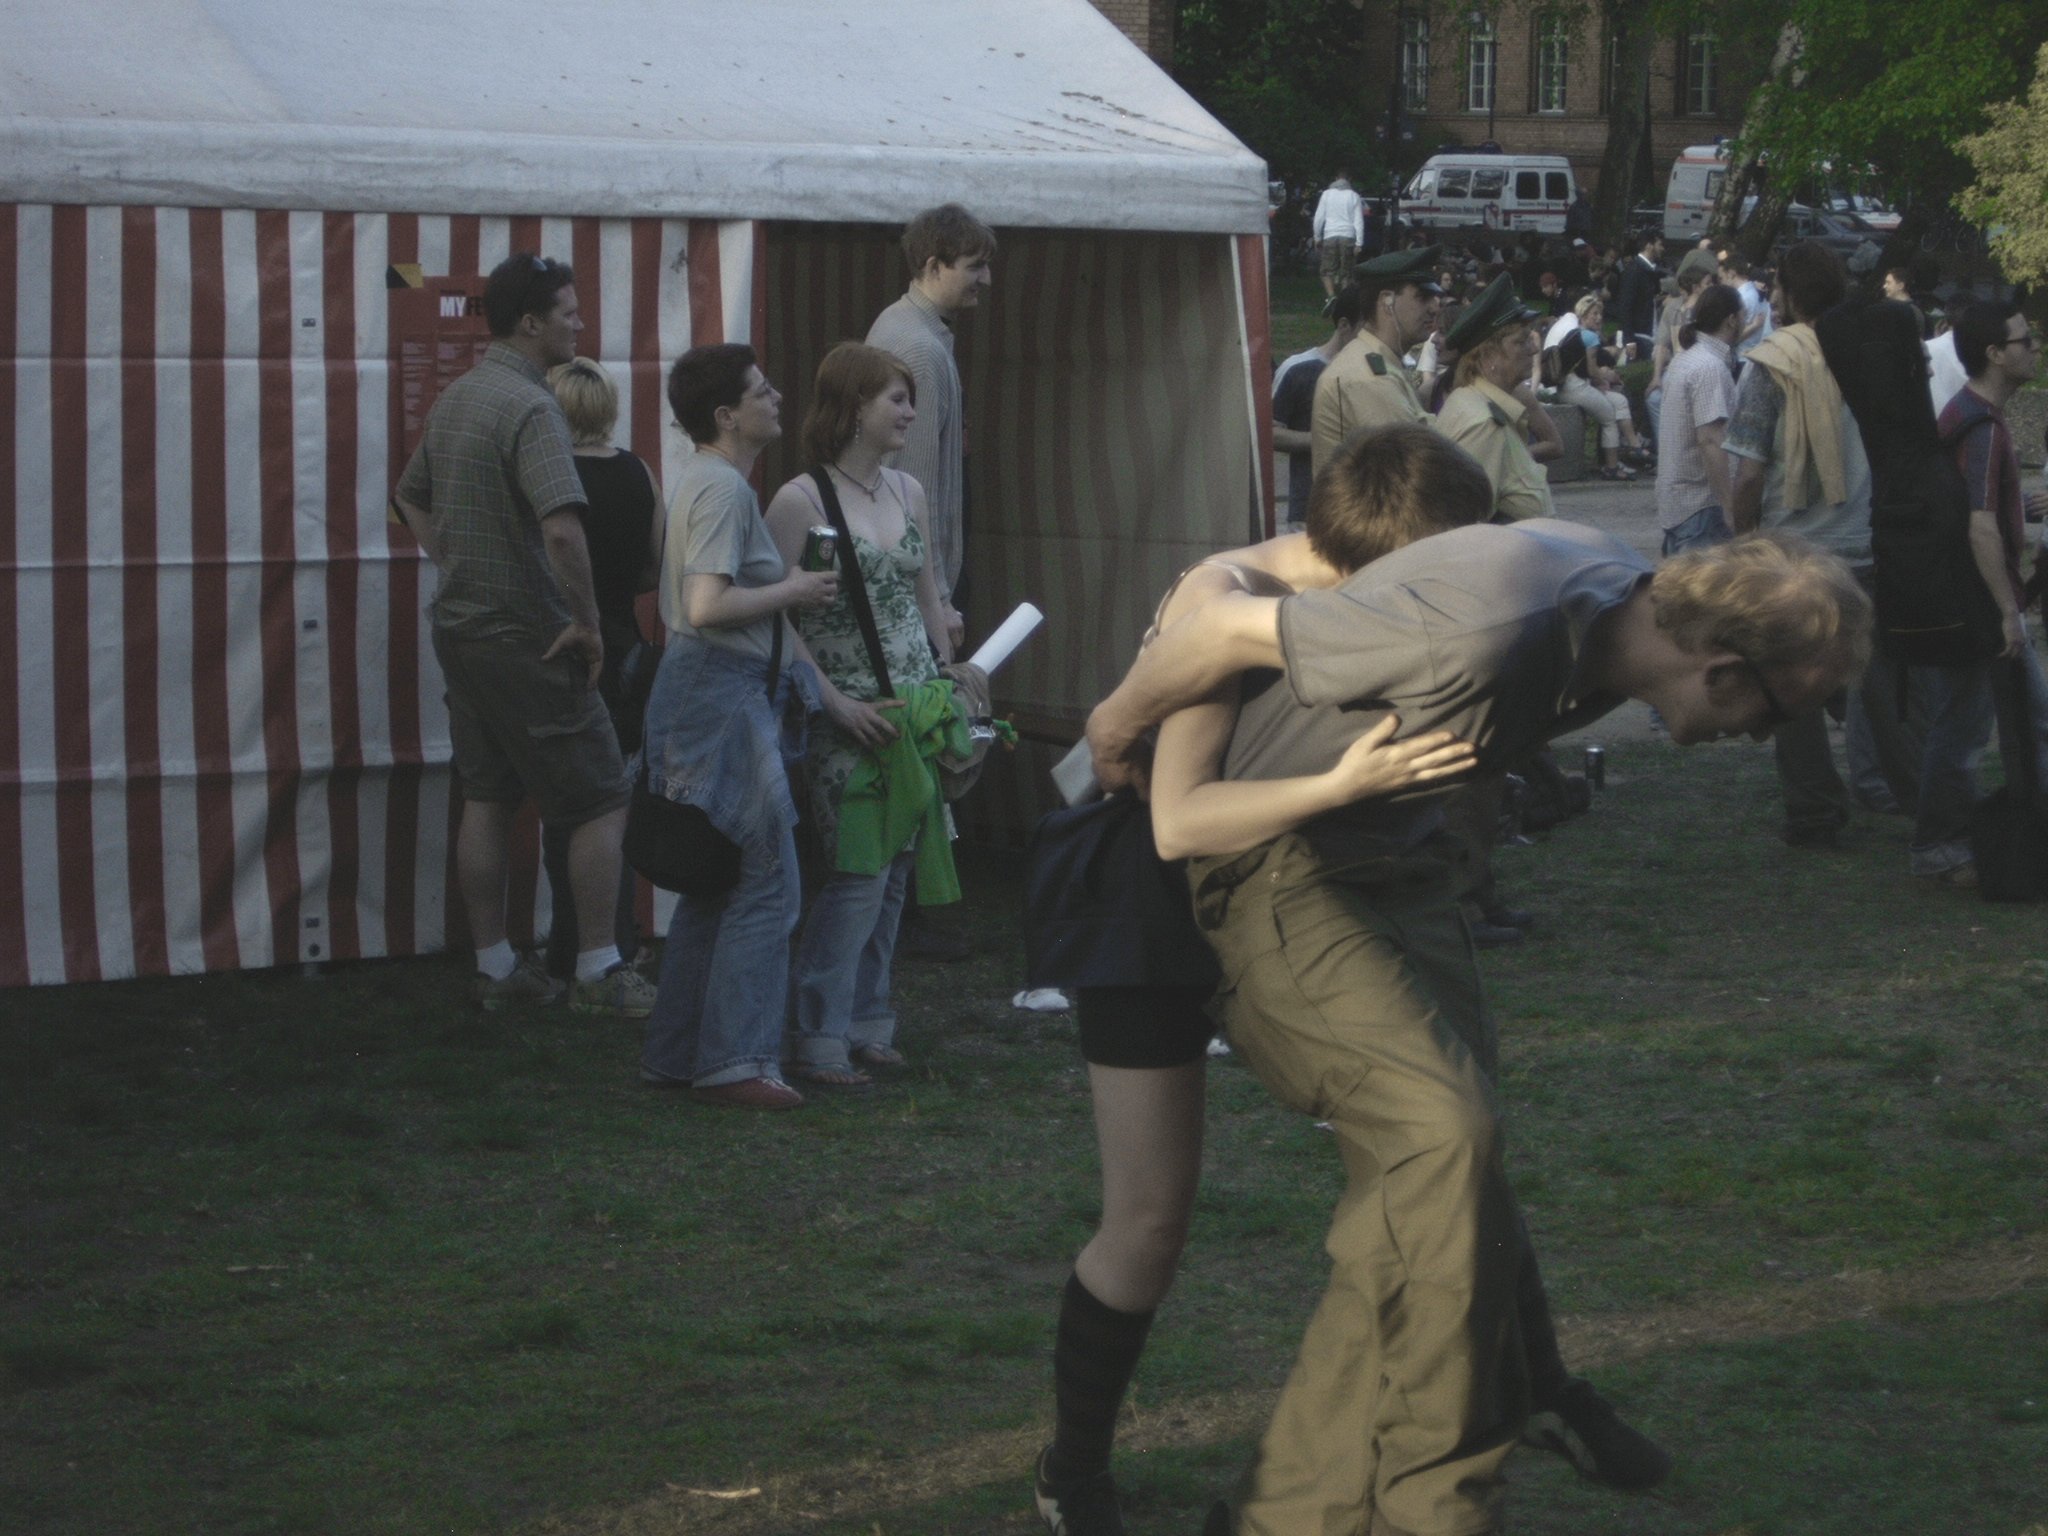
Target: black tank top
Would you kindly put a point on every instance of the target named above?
(617, 529)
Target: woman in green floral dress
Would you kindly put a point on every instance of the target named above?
(864, 403)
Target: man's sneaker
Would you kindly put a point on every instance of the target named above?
(621, 991)
(528, 983)
(1583, 1428)
(1086, 1508)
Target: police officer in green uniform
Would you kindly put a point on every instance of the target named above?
(1367, 384)
(1491, 411)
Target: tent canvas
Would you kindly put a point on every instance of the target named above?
(225, 744)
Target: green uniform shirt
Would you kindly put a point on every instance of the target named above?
(1493, 426)
(1364, 386)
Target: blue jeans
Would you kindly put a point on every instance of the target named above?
(724, 984)
(1709, 525)
(843, 963)
(1958, 704)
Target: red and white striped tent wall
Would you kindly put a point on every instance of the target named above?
(225, 744)
(222, 742)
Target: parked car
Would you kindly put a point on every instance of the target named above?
(1843, 233)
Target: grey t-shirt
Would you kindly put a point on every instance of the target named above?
(1479, 631)
(715, 528)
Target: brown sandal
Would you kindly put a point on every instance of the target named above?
(886, 1056)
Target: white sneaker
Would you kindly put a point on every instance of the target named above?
(621, 992)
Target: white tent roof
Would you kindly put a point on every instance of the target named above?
(1032, 112)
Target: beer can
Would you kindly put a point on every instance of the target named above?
(821, 549)
(1596, 767)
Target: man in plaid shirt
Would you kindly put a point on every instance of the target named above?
(493, 496)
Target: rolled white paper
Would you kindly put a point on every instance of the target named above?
(996, 649)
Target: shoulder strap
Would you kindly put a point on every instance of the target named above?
(775, 653)
(850, 578)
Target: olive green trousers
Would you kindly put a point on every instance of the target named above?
(1355, 998)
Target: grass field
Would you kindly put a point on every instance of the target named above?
(337, 1254)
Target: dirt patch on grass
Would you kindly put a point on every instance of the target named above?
(872, 1487)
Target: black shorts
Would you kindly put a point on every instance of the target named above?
(1148, 1027)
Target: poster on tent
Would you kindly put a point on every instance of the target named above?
(438, 333)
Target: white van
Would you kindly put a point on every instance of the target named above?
(1505, 192)
(1696, 178)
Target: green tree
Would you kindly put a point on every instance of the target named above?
(1872, 84)
(2011, 190)
(1283, 75)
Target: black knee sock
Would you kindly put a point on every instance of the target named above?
(1094, 1354)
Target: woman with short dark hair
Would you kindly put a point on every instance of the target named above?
(726, 717)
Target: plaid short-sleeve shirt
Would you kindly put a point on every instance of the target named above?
(493, 462)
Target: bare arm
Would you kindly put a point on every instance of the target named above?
(1545, 441)
(790, 518)
(1196, 811)
(561, 533)
(1183, 666)
(1988, 550)
(1715, 460)
(1288, 440)
(422, 527)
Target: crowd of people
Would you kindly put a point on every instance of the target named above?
(1320, 728)
(775, 667)
(1297, 703)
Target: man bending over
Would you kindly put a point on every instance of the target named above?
(1349, 982)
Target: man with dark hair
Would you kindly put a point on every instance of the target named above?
(1351, 988)
(1367, 384)
(493, 496)
(1636, 305)
(1799, 464)
(1693, 487)
(2000, 352)
(948, 251)
(1294, 398)
(1756, 309)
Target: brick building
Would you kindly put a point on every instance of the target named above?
(1148, 23)
(1538, 82)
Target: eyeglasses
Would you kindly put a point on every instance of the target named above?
(1775, 712)
(2031, 339)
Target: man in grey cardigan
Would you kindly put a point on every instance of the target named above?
(949, 251)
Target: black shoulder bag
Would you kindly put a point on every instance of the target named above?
(850, 579)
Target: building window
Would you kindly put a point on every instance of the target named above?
(1482, 52)
(1415, 63)
(1702, 73)
(1552, 50)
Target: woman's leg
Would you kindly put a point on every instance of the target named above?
(871, 1029)
(669, 1051)
(746, 988)
(1600, 411)
(835, 935)
(1148, 1123)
